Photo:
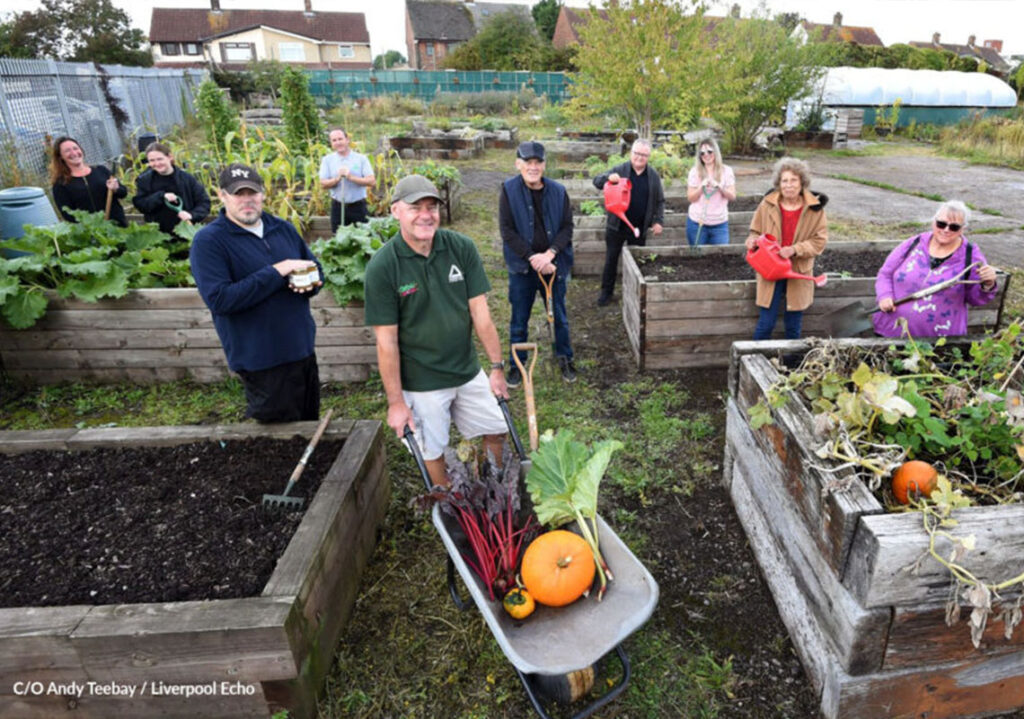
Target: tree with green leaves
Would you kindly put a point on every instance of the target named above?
(640, 60)
(77, 31)
(757, 69)
(300, 116)
(508, 41)
(545, 14)
(218, 120)
(388, 59)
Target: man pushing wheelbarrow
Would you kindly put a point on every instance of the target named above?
(425, 295)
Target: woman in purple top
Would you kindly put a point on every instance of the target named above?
(928, 259)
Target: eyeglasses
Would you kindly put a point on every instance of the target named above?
(953, 226)
(641, 154)
(707, 152)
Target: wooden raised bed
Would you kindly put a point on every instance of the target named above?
(693, 324)
(250, 657)
(588, 238)
(437, 147)
(870, 632)
(160, 335)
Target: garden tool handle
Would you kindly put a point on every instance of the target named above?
(516, 442)
(110, 201)
(410, 440)
(527, 374)
(548, 285)
(932, 289)
(308, 452)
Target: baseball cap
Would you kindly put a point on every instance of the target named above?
(237, 176)
(414, 188)
(530, 150)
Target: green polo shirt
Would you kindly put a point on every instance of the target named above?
(428, 298)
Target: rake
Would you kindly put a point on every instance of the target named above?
(283, 502)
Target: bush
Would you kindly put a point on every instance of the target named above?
(219, 121)
(301, 118)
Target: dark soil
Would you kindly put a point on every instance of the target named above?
(704, 268)
(153, 524)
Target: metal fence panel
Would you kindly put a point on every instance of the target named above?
(334, 86)
(41, 100)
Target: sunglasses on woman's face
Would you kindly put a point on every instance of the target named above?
(953, 226)
(707, 152)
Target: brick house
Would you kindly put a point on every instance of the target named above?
(198, 37)
(836, 32)
(434, 28)
(567, 26)
(986, 53)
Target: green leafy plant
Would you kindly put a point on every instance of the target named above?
(301, 119)
(344, 257)
(88, 259)
(591, 208)
(563, 483)
(219, 121)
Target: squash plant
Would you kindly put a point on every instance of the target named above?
(563, 482)
(88, 259)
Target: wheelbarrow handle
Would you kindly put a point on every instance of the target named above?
(410, 440)
(516, 442)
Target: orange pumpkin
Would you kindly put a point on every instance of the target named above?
(558, 567)
(914, 478)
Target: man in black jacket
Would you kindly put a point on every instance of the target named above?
(166, 194)
(646, 211)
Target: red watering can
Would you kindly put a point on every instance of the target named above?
(765, 260)
(616, 201)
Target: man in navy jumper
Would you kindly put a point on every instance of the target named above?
(535, 218)
(241, 263)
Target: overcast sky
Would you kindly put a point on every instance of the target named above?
(893, 20)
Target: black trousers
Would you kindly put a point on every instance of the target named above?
(354, 212)
(286, 393)
(613, 242)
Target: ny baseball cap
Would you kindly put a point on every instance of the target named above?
(414, 188)
(530, 150)
(237, 176)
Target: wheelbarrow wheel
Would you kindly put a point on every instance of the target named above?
(565, 688)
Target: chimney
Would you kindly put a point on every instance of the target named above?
(935, 38)
(735, 11)
(970, 40)
(996, 45)
(309, 8)
(215, 6)
(837, 20)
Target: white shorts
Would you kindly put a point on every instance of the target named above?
(472, 406)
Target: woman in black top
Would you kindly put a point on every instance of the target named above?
(166, 194)
(77, 186)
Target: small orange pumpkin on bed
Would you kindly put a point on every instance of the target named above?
(558, 567)
(913, 479)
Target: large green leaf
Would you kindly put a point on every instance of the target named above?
(89, 289)
(8, 287)
(588, 478)
(23, 309)
(565, 476)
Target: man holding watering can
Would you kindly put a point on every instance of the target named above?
(646, 210)
(535, 218)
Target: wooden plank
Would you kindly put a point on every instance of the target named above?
(789, 443)
(29, 440)
(856, 635)
(887, 545)
(187, 642)
(976, 688)
(35, 644)
(100, 359)
(170, 436)
(920, 636)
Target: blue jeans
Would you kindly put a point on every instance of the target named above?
(709, 234)
(522, 291)
(793, 321)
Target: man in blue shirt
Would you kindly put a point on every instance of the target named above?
(347, 174)
(242, 263)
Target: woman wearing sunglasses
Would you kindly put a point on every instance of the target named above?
(709, 188)
(928, 259)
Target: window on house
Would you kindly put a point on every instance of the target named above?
(192, 48)
(430, 49)
(346, 51)
(237, 51)
(170, 48)
(291, 52)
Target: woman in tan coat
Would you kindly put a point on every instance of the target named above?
(796, 216)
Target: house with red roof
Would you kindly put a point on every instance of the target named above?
(231, 39)
(836, 32)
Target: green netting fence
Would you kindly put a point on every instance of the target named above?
(332, 86)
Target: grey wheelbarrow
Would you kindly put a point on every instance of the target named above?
(556, 647)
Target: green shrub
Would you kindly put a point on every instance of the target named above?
(219, 121)
(301, 119)
(344, 257)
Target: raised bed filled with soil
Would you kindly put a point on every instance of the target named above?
(160, 335)
(144, 579)
(438, 146)
(864, 605)
(675, 316)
